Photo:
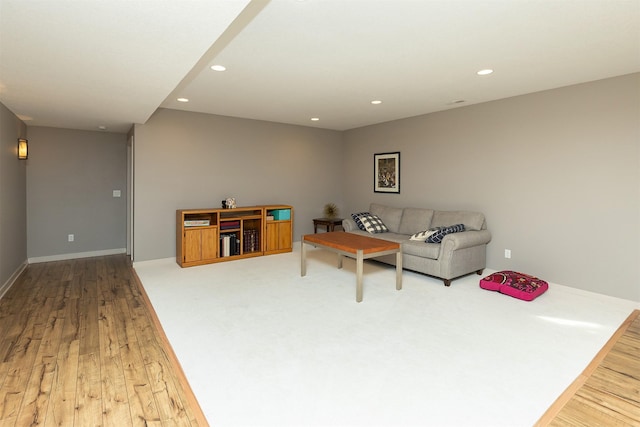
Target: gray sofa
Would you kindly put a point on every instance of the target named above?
(457, 255)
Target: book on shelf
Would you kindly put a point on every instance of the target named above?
(227, 225)
(225, 247)
(196, 222)
(235, 244)
(251, 241)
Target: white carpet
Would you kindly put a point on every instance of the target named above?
(262, 346)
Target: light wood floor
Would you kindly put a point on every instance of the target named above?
(607, 393)
(80, 345)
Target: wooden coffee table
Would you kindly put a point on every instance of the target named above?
(353, 246)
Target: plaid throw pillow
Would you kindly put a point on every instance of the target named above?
(439, 235)
(356, 218)
(369, 222)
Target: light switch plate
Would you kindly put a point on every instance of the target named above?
(117, 193)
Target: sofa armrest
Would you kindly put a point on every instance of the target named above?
(462, 253)
(465, 239)
(348, 224)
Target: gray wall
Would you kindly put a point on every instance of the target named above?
(557, 174)
(71, 176)
(13, 197)
(189, 160)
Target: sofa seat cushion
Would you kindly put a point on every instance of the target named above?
(517, 285)
(421, 249)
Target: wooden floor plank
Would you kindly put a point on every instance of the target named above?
(603, 403)
(115, 403)
(74, 290)
(16, 382)
(115, 398)
(4, 369)
(155, 361)
(41, 317)
(616, 384)
(123, 322)
(88, 331)
(142, 402)
(9, 337)
(61, 409)
(10, 395)
(16, 326)
(172, 408)
(80, 345)
(36, 398)
(88, 408)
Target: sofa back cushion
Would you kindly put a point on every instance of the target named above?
(415, 220)
(390, 216)
(471, 220)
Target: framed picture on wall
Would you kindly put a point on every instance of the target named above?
(386, 172)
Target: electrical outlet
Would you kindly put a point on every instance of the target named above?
(71, 237)
(507, 253)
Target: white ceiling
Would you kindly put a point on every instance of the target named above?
(81, 64)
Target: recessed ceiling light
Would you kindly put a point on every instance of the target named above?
(315, 119)
(485, 72)
(102, 127)
(218, 67)
(183, 99)
(376, 102)
(457, 101)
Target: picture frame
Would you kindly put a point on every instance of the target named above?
(386, 172)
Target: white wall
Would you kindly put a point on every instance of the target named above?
(557, 174)
(189, 160)
(71, 176)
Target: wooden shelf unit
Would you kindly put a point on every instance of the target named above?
(200, 232)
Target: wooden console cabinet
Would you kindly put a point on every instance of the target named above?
(204, 236)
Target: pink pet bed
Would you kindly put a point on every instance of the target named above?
(517, 285)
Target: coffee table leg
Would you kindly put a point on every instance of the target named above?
(339, 260)
(359, 268)
(399, 270)
(303, 259)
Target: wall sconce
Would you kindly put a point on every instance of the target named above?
(23, 149)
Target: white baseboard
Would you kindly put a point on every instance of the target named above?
(5, 287)
(89, 254)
